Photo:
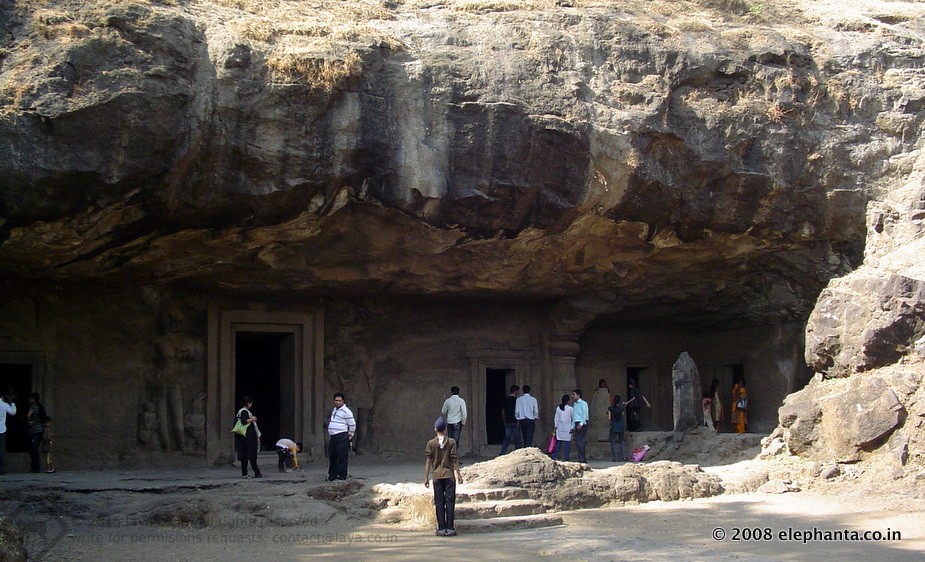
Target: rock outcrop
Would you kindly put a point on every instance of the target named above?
(568, 485)
(710, 165)
(705, 162)
(528, 482)
(863, 338)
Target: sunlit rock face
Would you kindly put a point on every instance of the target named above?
(473, 191)
(711, 168)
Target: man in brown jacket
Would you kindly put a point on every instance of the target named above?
(443, 457)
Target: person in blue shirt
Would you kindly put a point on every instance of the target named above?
(580, 419)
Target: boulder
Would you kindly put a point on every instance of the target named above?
(865, 320)
(840, 419)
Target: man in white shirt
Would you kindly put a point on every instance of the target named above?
(341, 428)
(526, 411)
(454, 412)
(7, 408)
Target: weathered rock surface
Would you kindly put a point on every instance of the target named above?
(685, 379)
(701, 445)
(841, 421)
(527, 482)
(865, 327)
(698, 162)
(875, 418)
(646, 161)
(568, 485)
(11, 542)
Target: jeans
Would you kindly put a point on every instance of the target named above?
(445, 502)
(564, 448)
(527, 427)
(35, 459)
(454, 430)
(580, 437)
(338, 449)
(511, 430)
(617, 436)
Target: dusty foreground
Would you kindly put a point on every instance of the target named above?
(753, 526)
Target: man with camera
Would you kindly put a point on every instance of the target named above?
(7, 408)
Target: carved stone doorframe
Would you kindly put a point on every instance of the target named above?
(481, 359)
(306, 329)
(36, 359)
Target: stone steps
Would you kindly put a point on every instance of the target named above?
(498, 508)
(491, 494)
(514, 523)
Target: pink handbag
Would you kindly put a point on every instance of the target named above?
(551, 448)
(639, 453)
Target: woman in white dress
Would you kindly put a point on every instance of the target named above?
(564, 428)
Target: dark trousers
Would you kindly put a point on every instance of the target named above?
(249, 455)
(511, 431)
(580, 438)
(253, 461)
(527, 427)
(2, 452)
(453, 432)
(285, 458)
(338, 449)
(445, 502)
(633, 419)
(562, 450)
(247, 452)
(617, 437)
(35, 458)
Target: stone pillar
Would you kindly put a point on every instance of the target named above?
(687, 394)
(562, 356)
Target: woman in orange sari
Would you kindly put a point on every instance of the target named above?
(739, 407)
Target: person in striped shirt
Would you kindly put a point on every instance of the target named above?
(341, 428)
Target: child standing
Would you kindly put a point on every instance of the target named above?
(442, 455)
(48, 439)
(707, 406)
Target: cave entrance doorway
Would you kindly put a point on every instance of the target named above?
(16, 379)
(264, 365)
(497, 383)
(514, 365)
(22, 373)
(275, 358)
(644, 378)
(729, 375)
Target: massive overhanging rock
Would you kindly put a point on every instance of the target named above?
(711, 167)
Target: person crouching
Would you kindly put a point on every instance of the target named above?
(442, 455)
(287, 450)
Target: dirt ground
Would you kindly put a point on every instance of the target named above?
(750, 526)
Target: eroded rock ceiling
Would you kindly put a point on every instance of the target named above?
(703, 163)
